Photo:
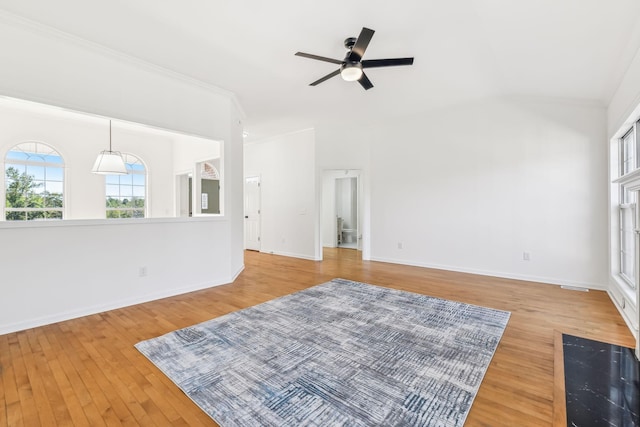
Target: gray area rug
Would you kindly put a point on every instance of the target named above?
(338, 354)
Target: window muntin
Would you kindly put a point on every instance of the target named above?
(628, 152)
(209, 171)
(34, 183)
(126, 194)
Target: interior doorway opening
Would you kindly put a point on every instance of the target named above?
(347, 212)
(208, 188)
(342, 209)
(202, 195)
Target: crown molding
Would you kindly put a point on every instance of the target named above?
(50, 32)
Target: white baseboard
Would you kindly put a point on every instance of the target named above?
(235, 276)
(100, 308)
(293, 255)
(528, 278)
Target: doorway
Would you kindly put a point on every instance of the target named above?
(347, 212)
(207, 188)
(252, 213)
(204, 190)
(342, 213)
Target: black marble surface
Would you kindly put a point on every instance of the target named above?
(602, 383)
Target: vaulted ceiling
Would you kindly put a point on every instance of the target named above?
(464, 50)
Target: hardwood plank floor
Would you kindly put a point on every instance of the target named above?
(87, 372)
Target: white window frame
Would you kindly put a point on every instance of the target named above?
(627, 244)
(628, 162)
(131, 171)
(27, 162)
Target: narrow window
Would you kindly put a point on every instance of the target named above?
(126, 194)
(627, 209)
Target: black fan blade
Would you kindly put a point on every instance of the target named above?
(319, 58)
(373, 63)
(357, 51)
(327, 77)
(365, 82)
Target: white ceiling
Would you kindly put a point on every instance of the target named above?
(464, 49)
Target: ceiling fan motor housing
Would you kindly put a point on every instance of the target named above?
(349, 42)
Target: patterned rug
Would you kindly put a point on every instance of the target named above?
(338, 354)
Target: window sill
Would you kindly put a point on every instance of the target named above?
(630, 180)
(106, 222)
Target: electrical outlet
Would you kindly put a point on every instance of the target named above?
(142, 271)
(526, 256)
(399, 245)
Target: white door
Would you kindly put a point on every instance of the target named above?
(252, 213)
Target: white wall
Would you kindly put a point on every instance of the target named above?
(191, 151)
(57, 69)
(472, 188)
(233, 189)
(289, 205)
(56, 271)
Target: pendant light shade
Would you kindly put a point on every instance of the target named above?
(109, 162)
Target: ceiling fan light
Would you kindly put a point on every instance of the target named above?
(351, 72)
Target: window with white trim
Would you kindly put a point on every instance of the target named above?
(126, 194)
(34, 183)
(627, 202)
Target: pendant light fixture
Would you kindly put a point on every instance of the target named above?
(109, 162)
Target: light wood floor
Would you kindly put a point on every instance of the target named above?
(86, 372)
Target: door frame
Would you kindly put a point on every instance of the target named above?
(327, 179)
(244, 183)
(182, 177)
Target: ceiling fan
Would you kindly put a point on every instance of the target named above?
(352, 66)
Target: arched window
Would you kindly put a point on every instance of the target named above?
(126, 194)
(209, 171)
(34, 183)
